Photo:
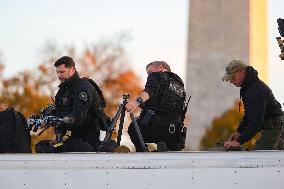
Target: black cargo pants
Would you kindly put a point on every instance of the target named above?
(70, 145)
(272, 136)
(157, 131)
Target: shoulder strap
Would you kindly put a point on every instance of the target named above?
(99, 91)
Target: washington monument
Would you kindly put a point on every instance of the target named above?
(219, 31)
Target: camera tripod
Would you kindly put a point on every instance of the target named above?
(121, 113)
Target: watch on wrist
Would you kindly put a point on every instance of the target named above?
(139, 101)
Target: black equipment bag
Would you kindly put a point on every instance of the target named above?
(14, 134)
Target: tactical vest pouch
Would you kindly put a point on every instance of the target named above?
(173, 97)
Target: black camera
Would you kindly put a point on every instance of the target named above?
(280, 22)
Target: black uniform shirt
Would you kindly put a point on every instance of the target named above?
(76, 98)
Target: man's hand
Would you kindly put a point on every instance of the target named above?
(234, 136)
(232, 145)
(43, 123)
(131, 106)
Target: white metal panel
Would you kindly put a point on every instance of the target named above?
(143, 170)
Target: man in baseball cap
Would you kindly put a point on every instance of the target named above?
(233, 68)
(262, 111)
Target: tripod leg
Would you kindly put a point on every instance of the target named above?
(112, 125)
(119, 133)
(142, 143)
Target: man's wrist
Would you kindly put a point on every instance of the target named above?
(139, 101)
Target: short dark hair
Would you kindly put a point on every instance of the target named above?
(66, 60)
(160, 63)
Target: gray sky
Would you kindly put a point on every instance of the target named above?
(158, 29)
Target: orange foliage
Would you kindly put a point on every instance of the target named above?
(23, 93)
(107, 64)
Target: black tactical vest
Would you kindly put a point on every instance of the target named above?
(64, 100)
(170, 99)
(65, 97)
(173, 96)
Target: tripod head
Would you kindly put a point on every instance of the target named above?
(126, 96)
(280, 23)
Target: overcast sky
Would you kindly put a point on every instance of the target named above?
(158, 29)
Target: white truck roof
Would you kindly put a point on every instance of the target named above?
(208, 170)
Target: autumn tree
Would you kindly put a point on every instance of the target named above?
(1, 65)
(105, 62)
(223, 126)
(24, 92)
(1, 72)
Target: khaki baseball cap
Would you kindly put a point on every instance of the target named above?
(233, 67)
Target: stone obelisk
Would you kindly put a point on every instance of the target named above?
(219, 31)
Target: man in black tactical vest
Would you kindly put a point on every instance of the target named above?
(162, 102)
(262, 111)
(78, 101)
